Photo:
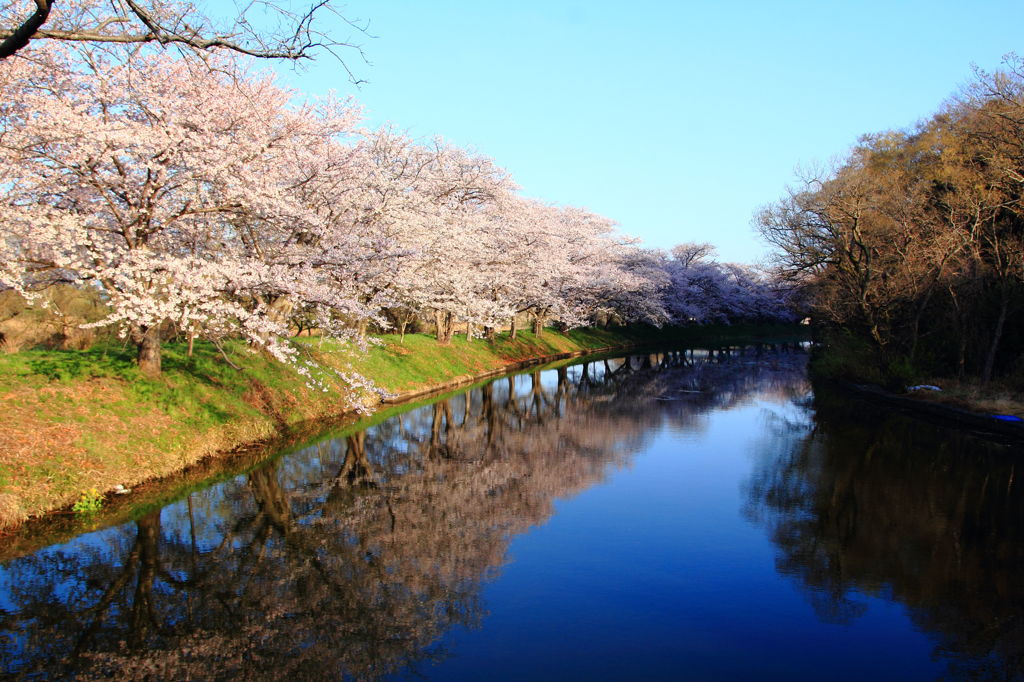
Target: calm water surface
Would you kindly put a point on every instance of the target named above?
(686, 515)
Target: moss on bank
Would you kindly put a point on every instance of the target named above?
(78, 420)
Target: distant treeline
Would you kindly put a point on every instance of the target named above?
(913, 245)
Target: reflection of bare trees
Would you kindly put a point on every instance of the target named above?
(868, 504)
(353, 556)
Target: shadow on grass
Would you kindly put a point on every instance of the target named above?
(202, 386)
(99, 361)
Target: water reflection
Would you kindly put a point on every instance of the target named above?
(867, 503)
(352, 557)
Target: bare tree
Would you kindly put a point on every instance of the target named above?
(258, 28)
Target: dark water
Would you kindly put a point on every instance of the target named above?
(678, 516)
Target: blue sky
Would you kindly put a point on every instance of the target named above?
(676, 119)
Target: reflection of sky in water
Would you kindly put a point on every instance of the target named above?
(630, 523)
(656, 574)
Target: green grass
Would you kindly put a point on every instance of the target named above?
(419, 361)
(78, 420)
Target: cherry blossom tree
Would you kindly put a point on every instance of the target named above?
(633, 290)
(703, 291)
(571, 255)
(190, 196)
(440, 204)
(205, 198)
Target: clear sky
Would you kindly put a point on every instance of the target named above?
(675, 119)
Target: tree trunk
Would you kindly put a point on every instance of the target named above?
(401, 330)
(997, 334)
(915, 328)
(147, 340)
(436, 446)
(510, 399)
(271, 497)
(191, 342)
(514, 329)
(538, 325)
(489, 333)
(538, 397)
(445, 327)
(278, 311)
(356, 469)
(488, 413)
(280, 308)
(585, 376)
(961, 328)
(562, 390)
(961, 358)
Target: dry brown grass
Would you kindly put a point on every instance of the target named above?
(42, 435)
(12, 337)
(992, 399)
(274, 404)
(11, 513)
(57, 440)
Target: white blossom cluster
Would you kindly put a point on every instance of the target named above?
(208, 198)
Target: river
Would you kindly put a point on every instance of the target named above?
(683, 515)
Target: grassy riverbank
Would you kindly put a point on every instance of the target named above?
(78, 421)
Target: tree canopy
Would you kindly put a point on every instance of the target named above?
(915, 242)
(201, 198)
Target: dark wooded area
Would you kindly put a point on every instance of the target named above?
(912, 249)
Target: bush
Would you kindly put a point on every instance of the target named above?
(90, 502)
(844, 356)
(54, 321)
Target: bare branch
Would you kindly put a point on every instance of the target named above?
(20, 36)
(277, 34)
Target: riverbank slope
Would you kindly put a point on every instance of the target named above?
(77, 424)
(849, 362)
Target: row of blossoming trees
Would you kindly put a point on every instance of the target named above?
(200, 196)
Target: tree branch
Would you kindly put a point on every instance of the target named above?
(169, 24)
(19, 37)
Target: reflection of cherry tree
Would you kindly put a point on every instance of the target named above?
(928, 517)
(353, 556)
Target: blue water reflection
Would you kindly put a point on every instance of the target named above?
(690, 515)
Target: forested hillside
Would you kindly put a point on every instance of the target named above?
(912, 247)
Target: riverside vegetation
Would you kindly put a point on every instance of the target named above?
(911, 249)
(76, 420)
(151, 195)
